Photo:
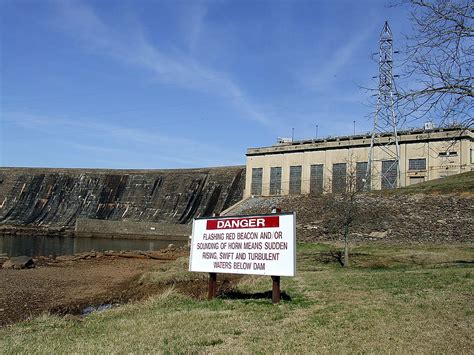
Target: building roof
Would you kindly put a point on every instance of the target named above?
(363, 140)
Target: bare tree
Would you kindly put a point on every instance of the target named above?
(345, 206)
(350, 207)
(439, 62)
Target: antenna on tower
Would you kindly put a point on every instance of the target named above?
(384, 144)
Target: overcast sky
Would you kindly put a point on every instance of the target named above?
(174, 84)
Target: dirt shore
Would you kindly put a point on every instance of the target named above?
(67, 287)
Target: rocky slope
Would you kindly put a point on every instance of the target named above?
(398, 218)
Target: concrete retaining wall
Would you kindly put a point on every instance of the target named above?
(129, 229)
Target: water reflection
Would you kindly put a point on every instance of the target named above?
(53, 245)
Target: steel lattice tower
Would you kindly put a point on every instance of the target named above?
(384, 145)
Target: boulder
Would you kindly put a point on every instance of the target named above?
(19, 262)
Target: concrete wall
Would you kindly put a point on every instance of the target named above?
(143, 230)
(58, 197)
(431, 146)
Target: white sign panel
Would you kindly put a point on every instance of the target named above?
(257, 245)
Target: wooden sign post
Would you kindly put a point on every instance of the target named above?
(212, 287)
(276, 293)
(251, 245)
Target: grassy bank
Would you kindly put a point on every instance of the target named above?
(461, 184)
(393, 299)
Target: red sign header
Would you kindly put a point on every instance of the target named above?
(245, 222)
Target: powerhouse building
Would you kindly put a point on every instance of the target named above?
(330, 164)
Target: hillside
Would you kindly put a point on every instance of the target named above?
(409, 215)
(460, 184)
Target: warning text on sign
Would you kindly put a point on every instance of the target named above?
(259, 245)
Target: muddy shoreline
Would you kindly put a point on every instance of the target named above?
(68, 284)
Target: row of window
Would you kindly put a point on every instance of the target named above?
(339, 177)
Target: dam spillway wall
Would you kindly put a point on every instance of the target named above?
(56, 198)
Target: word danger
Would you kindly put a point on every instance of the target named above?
(238, 223)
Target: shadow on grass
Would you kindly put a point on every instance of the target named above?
(238, 295)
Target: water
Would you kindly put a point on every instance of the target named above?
(102, 307)
(54, 245)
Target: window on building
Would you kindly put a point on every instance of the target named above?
(389, 174)
(361, 171)
(275, 180)
(417, 164)
(339, 177)
(316, 184)
(295, 180)
(256, 187)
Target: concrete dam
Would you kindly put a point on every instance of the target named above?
(52, 200)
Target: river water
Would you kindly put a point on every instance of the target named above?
(54, 245)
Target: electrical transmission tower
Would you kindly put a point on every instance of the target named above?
(384, 145)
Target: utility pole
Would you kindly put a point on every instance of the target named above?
(384, 143)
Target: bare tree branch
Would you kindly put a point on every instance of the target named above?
(439, 62)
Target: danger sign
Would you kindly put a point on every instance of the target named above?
(257, 245)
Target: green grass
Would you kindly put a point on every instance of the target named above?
(459, 183)
(394, 299)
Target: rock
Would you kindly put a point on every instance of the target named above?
(171, 246)
(65, 257)
(22, 262)
(7, 265)
(19, 262)
(378, 235)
